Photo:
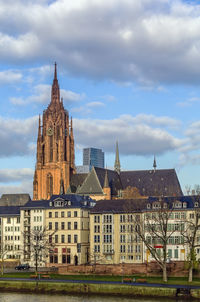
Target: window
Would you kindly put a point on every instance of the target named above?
(75, 214)
(50, 238)
(122, 249)
(107, 218)
(96, 238)
(18, 219)
(62, 214)
(69, 238)
(62, 225)
(107, 238)
(122, 228)
(97, 229)
(122, 238)
(122, 218)
(56, 214)
(97, 248)
(56, 238)
(62, 238)
(50, 225)
(8, 220)
(69, 225)
(56, 225)
(68, 214)
(176, 253)
(96, 218)
(75, 238)
(107, 228)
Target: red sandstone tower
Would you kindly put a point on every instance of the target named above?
(55, 148)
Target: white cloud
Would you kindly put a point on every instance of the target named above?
(149, 41)
(17, 136)
(95, 104)
(10, 77)
(134, 136)
(42, 94)
(23, 187)
(15, 175)
(189, 102)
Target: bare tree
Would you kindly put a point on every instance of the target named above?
(191, 235)
(155, 233)
(40, 245)
(3, 252)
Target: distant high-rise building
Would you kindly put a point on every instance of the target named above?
(93, 157)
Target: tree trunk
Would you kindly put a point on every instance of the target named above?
(190, 273)
(164, 272)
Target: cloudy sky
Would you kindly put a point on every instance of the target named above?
(128, 70)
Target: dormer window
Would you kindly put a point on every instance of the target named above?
(148, 206)
(165, 205)
(196, 204)
(50, 203)
(156, 205)
(69, 203)
(184, 204)
(177, 204)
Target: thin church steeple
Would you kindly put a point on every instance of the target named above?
(117, 161)
(154, 163)
(55, 91)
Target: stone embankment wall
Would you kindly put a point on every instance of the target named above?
(176, 269)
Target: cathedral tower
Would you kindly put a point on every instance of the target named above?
(55, 148)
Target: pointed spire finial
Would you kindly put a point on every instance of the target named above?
(55, 90)
(117, 161)
(55, 71)
(154, 163)
(62, 189)
(106, 182)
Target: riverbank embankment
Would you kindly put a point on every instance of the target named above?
(51, 287)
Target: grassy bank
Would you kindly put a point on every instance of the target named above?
(171, 280)
(74, 288)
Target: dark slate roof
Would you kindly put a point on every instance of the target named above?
(138, 205)
(77, 201)
(76, 181)
(14, 199)
(119, 206)
(153, 183)
(9, 210)
(190, 200)
(94, 182)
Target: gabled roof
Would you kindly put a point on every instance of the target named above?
(14, 199)
(153, 182)
(76, 181)
(94, 182)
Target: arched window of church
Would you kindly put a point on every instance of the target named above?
(58, 132)
(51, 148)
(43, 154)
(49, 184)
(57, 157)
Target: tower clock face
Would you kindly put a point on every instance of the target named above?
(49, 131)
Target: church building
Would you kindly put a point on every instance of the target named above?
(55, 148)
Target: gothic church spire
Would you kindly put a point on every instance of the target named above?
(117, 161)
(55, 90)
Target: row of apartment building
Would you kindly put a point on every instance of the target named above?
(73, 229)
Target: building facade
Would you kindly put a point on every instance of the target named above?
(55, 148)
(63, 225)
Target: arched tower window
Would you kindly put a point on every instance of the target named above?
(49, 185)
(51, 148)
(43, 154)
(57, 156)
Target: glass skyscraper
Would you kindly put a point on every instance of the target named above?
(93, 157)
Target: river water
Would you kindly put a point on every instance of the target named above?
(18, 297)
